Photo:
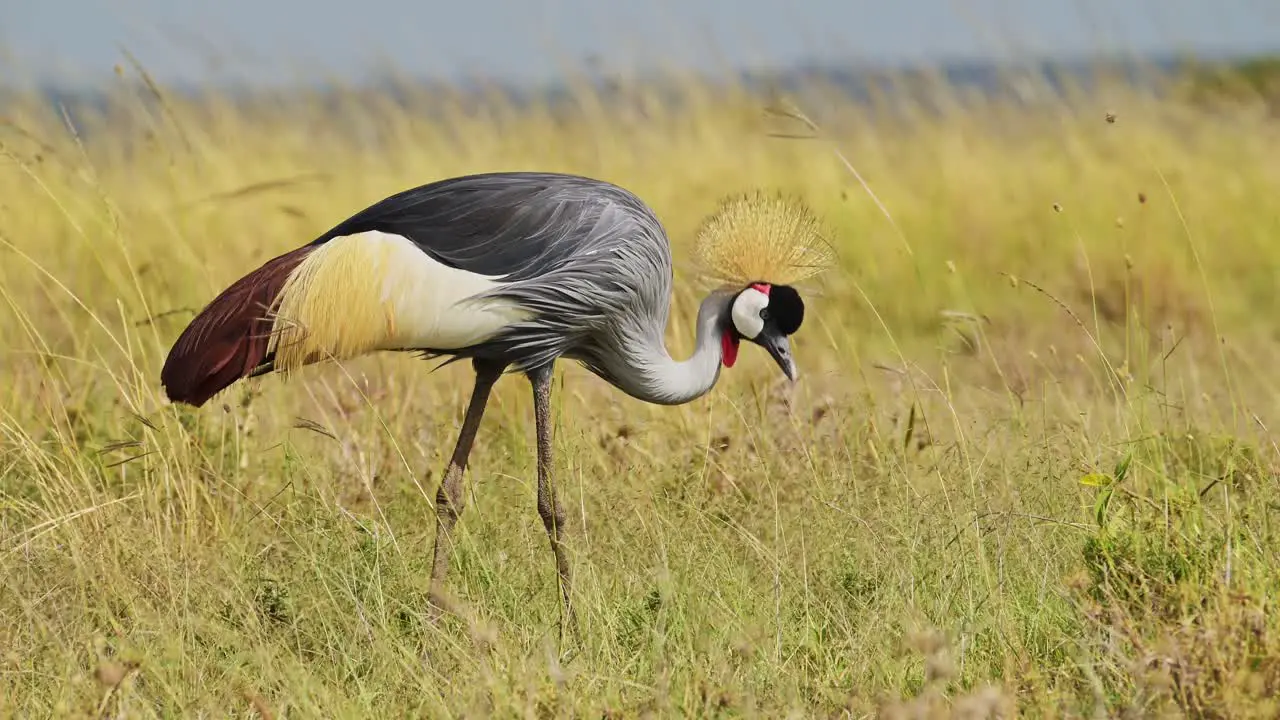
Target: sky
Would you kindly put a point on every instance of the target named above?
(531, 40)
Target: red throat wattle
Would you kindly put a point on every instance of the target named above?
(729, 348)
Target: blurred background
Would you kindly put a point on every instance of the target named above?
(274, 41)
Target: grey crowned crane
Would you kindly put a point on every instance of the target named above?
(513, 271)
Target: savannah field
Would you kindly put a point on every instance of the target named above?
(1029, 468)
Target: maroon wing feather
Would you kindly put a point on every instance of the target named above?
(228, 340)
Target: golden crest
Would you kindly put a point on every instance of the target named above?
(756, 237)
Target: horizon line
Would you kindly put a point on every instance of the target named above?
(377, 73)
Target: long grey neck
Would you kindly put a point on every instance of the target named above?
(665, 381)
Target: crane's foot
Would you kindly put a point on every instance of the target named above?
(569, 627)
(568, 635)
(439, 602)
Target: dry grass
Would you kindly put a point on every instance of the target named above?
(1027, 470)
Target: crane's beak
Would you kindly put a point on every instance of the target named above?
(780, 348)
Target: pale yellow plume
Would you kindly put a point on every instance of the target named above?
(328, 306)
(378, 291)
(766, 238)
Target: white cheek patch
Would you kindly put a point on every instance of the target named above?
(746, 312)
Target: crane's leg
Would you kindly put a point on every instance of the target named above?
(451, 497)
(549, 506)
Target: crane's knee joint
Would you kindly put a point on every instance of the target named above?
(449, 501)
(552, 513)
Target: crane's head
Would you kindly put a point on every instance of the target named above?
(766, 315)
(757, 247)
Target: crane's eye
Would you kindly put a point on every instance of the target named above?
(764, 313)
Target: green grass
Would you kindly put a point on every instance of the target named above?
(1028, 468)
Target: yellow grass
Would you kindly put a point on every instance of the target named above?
(1028, 467)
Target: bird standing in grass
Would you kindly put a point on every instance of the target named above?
(513, 271)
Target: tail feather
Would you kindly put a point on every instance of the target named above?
(229, 339)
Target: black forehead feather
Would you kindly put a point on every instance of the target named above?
(786, 308)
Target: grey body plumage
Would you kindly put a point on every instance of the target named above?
(589, 259)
